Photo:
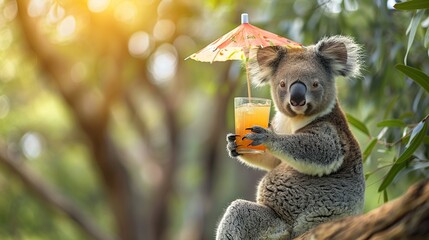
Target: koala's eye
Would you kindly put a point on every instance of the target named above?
(282, 84)
(315, 84)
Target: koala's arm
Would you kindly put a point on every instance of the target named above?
(316, 151)
(265, 161)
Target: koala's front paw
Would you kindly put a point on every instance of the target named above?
(231, 146)
(258, 136)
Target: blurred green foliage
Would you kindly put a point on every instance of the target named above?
(387, 107)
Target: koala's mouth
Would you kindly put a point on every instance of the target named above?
(299, 110)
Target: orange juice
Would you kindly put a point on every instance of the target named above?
(255, 113)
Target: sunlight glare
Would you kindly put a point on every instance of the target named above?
(125, 12)
(351, 5)
(37, 8)
(56, 13)
(332, 6)
(10, 10)
(163, 30)
(98, 5)
(390, 4)
(31, 144)
(67, 27)
(139, 44)
(163, 64)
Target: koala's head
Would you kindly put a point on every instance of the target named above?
(303, 80)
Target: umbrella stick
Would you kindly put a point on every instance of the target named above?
(248, 81)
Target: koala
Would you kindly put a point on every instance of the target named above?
(313, 162)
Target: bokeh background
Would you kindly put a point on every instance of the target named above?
(106, 132)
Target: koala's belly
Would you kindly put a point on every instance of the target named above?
(290, 194)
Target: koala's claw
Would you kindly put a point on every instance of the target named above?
(258, 136)
(257, 129)
(231, 137)
(232, 145)
(234, 153)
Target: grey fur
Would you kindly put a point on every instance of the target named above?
(314, 163)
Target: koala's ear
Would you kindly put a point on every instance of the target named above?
(264, 62)
(342, 54)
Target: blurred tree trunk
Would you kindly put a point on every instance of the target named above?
(92, 116)
(404, 218)
(212, 155)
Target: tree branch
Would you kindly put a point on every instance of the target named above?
(50, 195)
(404, 218)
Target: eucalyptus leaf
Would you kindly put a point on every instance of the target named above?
(417, 99)
(358, 124)
(391, 123)
(385, 196)
(418, 76)
(405, 139)
(382, 132)
(412, 5)
(415, 131)
(369, 148)
(390, 107)
(367, 176)
(406, 114)
(426, 140)
(394, 170)
(413, 143)
(415, 21)
(426, 41)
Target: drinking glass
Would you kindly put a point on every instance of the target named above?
(250, 112)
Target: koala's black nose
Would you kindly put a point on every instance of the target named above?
(297, 94)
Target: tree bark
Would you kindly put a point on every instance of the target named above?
(404, 218)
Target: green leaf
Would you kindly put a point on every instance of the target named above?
(369, 149)
(415, 131)
(412, 5)
(418, 76)
(407, 114)
(392, 174)
(411, 31)
(426, 41)
(385, 197)
(415, 140)
(367, 176)
(405, 139)
(390, 106)
(417, 137)
(426, 140)
(358, 124)
(391, 123)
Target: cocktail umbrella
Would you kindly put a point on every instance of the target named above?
(235, 45)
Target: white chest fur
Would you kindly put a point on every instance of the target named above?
(283, 124)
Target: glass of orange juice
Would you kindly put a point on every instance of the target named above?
(250, 112)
